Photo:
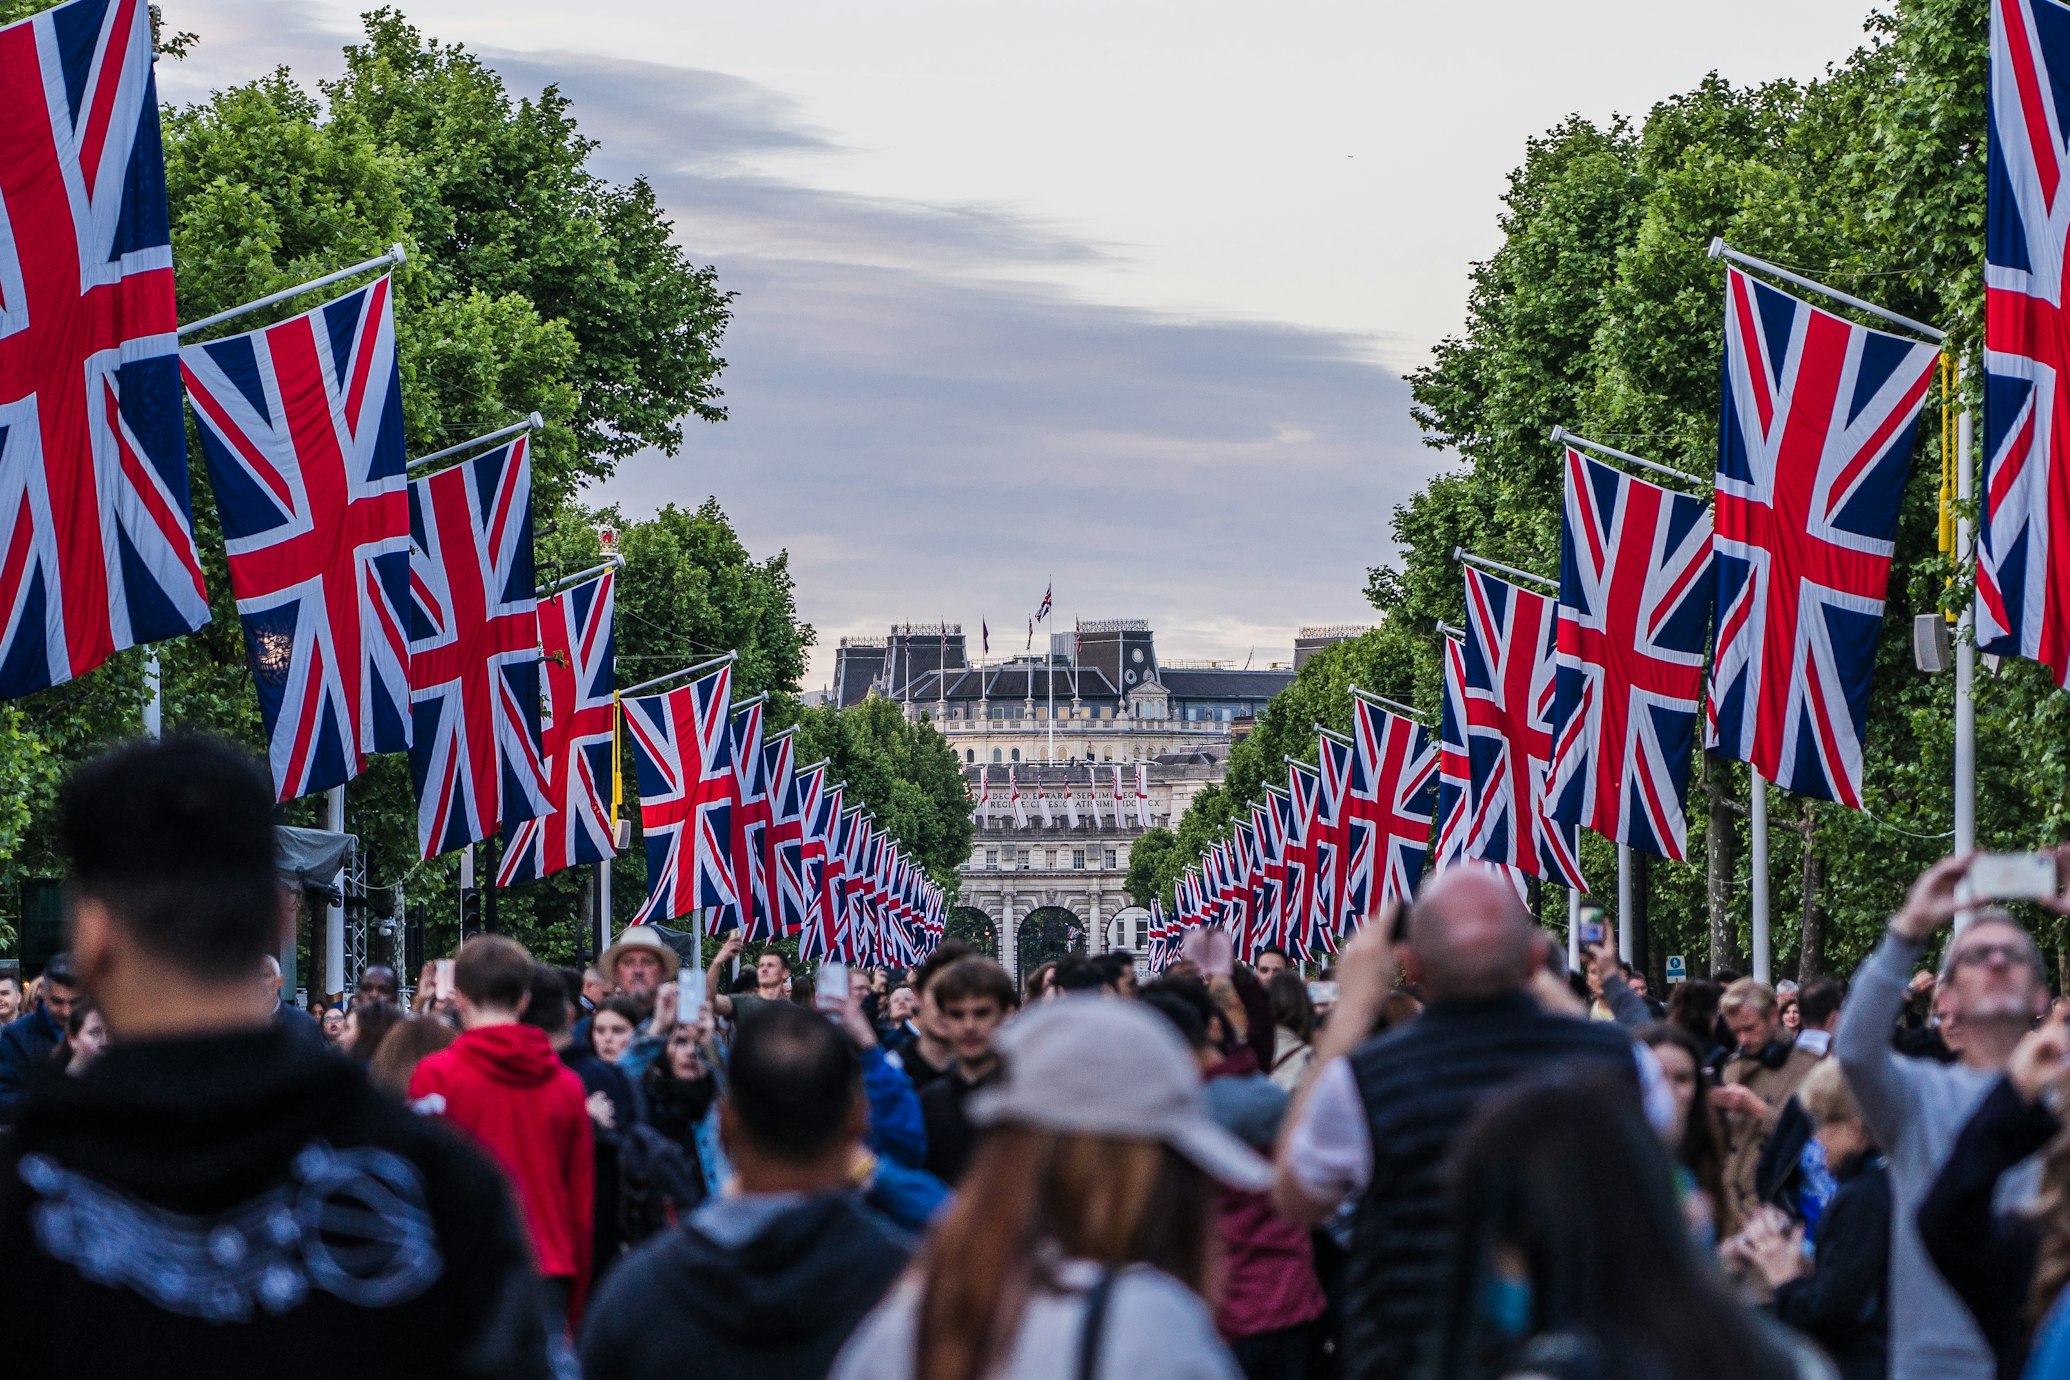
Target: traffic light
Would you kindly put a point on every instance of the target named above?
(470, 910)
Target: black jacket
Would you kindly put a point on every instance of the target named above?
(951, 1138)
(26, 1044)
(1843, 1303)
(777, 1307)
(1987, 1257)
(210, 1206)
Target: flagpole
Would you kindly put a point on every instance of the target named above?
(154, 696)
(1050, 655)
(677, 675)
(1624, 901)
(1460, 553)
(1573, 930)
(604, 905)
(533, 422)
(395, 255)
(1757, 836)
(1965, 659)
(1720, 250)
(334, 914)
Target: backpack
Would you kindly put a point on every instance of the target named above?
(659, 1183)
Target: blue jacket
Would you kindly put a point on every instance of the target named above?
(897, 1129)
(26, 1044)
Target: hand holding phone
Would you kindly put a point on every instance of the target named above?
(2013, 876)
(442, 980)
(689, 996)
(1592, 933)
(830, 991)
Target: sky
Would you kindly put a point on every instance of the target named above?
(1118, 295)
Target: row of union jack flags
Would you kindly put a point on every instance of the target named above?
(1067, 800)
(734, 824)
(1348, 836)
(1578, 704)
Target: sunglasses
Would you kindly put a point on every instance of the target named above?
(1974, 955)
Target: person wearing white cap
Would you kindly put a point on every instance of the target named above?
(1079, 1243)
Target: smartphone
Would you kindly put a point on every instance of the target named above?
(689, 996)
(1209, 949)
(830, 992)
(1322, 993)
(2013, 876)
(442, 980)
(1592, 933)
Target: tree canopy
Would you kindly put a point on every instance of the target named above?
(1601, 312)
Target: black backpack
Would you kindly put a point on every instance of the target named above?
(659, 1183)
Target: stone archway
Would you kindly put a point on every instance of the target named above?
(1045, 933)
(974, 928)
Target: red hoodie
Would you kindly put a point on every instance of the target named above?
(504, 1085)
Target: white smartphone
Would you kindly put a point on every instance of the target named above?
(830, 989)
(442, 980)
(1322, 993)
(689, 996)
(2013, 876)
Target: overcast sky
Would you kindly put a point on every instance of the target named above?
(1118, 292)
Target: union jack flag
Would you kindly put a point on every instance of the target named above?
(682, 754)
(1339, 836)
(2023, 558)
(474, 651)
(812, 850)
(1814, 444)
(1633, 565)
(301, 425)
(751, 819)
(96, 526)
(1455, 782)
(782, 907)
(578, 636)
(1394, 786)
(1509, 701)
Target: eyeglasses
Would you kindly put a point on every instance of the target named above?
(2015, 955)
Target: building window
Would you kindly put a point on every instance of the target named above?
(970, 754)
(1078, 858)
(1023, 859)
(1016, 754)
(995, 754)
(1110, 858)
(1142, 933)
(991, 860)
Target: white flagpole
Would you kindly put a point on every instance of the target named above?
(395, 255)
(334, 914)
(603, 905)
(532, 422)
(1573, 930)
(1624, 902)
(1965, 659)
(1757, 835)
(1049, 655)
(154, 696)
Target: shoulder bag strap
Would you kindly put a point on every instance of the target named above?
(1095, 1326)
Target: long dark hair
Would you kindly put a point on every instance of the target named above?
(1567, 1174)
(1291, 1009)
(1701, 1152)
(1118, 1202)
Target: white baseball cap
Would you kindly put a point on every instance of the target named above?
(1109, 1066)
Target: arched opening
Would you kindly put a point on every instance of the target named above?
(970, 754)
(1016, 754)
(1045, 933)
(995, 754)
(974, 928)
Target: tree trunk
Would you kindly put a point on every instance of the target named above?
(1719, 840)
(1811, 947)
(586, 917)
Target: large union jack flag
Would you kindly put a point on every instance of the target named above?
(751, 822)
(1394, 782)
(1509, 702)
(782, 908)
(683, 757)
(1814, 445)
(1634, 562)
(301, 425)
(475, 751)
(577, 726)
(1344, 834)
(2023, 557)
(96, 526)
(1454, 773)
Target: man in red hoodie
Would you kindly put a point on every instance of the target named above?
(502, 1083)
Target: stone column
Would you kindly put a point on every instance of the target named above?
(1008, 948)
(1099, 929)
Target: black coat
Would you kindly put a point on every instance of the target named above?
(211, 1206)
(1987, 1257)
(26, 1044)
(1843, 1304)
(777, 1306)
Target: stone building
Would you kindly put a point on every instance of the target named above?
(1056, 724)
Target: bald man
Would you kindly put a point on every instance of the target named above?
(1379, 1118)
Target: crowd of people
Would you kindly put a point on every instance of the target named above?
(1449, 1156)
